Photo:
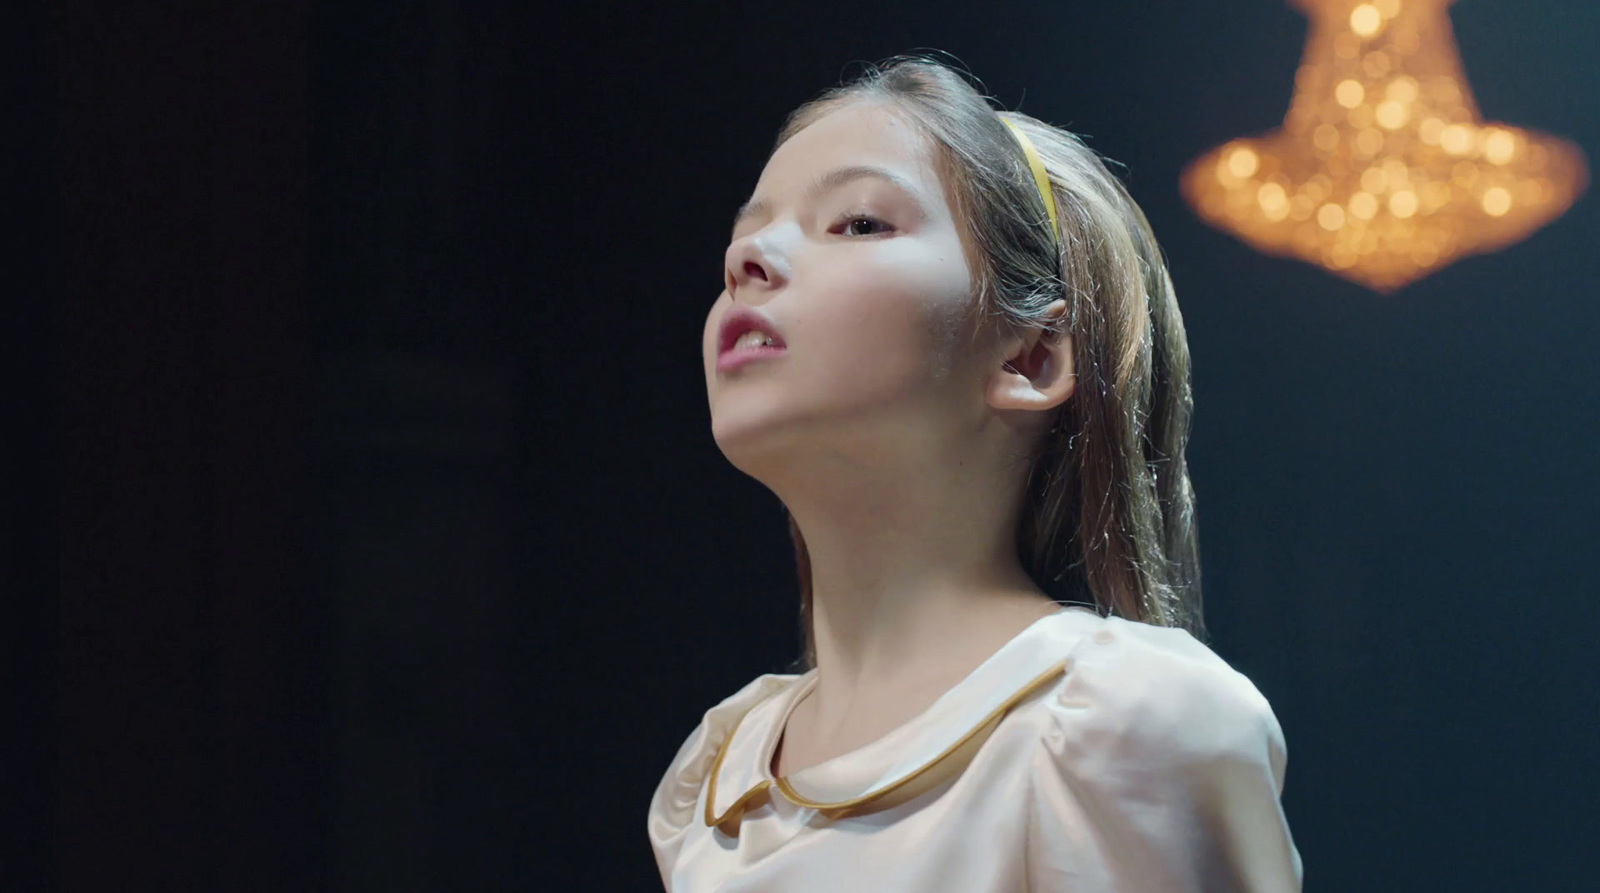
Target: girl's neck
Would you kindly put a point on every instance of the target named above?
(900, 651)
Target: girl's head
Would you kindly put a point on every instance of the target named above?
(898, 247)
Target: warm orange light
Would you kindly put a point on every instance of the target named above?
(1383, 170)
(1365, 20)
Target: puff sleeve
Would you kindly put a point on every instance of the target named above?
(1161, 770)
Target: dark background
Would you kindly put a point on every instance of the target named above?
(367, 528)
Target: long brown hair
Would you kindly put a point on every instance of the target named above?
(1108, 517)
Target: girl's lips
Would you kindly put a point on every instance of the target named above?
(741, 319)
(738, 356)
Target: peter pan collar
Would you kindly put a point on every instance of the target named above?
(910, 758)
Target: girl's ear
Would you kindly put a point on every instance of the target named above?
(1037, 370)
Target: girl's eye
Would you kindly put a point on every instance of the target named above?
(862, 224)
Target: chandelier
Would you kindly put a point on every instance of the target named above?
(1383, 170)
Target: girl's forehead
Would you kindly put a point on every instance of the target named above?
(859, 134)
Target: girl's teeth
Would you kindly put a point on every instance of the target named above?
(752, 339)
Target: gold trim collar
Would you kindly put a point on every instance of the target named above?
(908, 760)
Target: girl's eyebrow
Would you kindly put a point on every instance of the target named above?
(832, 180)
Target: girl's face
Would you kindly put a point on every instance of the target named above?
(849, 249)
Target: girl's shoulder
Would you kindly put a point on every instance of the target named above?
(1154, 740)
(1136, 691)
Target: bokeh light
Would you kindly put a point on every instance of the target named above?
(1383, 170)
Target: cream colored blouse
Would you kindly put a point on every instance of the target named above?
(1088, 754)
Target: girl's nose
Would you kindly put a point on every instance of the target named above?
(748, 265)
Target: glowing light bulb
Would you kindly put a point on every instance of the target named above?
(1274, 201)
(1242, 163)
(1365, 20)
(1456, 139)
(1498, 146)
(1496, 201)
(1271, 196)
(1403, 203)
(1349, 93)
(1401, 89)
(1392, 115)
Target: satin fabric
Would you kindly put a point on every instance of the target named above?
(1088, 754)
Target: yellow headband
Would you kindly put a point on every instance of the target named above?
(1040, 177)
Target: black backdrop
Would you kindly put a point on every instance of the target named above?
(387, 546)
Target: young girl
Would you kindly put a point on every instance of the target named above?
(949, 344)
